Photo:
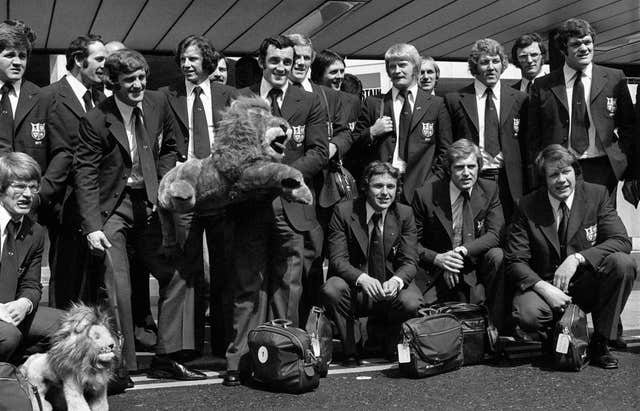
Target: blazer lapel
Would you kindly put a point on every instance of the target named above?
(598, 81)
(115, 124)
(218, 101)
(290, 102)
(547, 221)
(419, 108)
(359, 225)
(468, 101)
(22, 238)
(578, 211)
(506, 103)
(178, 102)
(391, 226)
(442, 206)
(558, 88)
(69, 98)
(26, 101)
(478, 200)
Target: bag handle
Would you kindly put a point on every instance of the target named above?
(281, 322)
(427, 311)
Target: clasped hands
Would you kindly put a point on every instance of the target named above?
(14, 312)
(452, 262)
(376, 290)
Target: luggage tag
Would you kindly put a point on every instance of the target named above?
(562, 346)
(315, 345)
(404, 354)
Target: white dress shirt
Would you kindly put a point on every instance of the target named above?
(555, 206)
(488, 161)
(265, 87)
(136, 179)
(5, 217)
(78, 88)
(14, 95)
(206, 99)
(398, 102)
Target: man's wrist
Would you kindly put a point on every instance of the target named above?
(359, 279)
(27, 304)
(579, 257)
(399, 281)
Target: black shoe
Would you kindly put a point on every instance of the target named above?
(601, 356)
(619, 343)
(162, 367)
(231, 378)
(351, 361)
(119, 383)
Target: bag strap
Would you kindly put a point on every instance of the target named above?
(329, 122)
(281, 322)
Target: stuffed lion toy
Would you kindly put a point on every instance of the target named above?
(76, 370)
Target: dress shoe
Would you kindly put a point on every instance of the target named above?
(231, 378)
(163, 367)
(601, 356)
(119, 383)
(619, 343)
(352, 361)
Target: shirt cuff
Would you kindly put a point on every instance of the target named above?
(399, 280)
(30, 304)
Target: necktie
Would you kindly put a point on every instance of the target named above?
(273, 95)
(6, 118)
(404, 125)
(145, 155)
(464, 225)
(491, 126)
(298, 85)
(562, 228)
(8, 248)
(529, 87)
(376, 261)
(201, 143)
(88, 101)
(579, 117)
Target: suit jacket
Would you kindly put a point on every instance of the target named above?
(221, 97)
(517, 85)
(103, 161)
(549, 114)
(307, 150)
(463, 109)
(348, 241)
(331, 103)
(24, 280)
(533, 248)
(428, 140)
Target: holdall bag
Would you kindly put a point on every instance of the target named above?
(479, 334)
(16, 393)
(571, 340)
(282, 357)
(319, 329)
(430, 344)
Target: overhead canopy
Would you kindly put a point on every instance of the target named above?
(444, 29)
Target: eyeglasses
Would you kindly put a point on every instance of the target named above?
(21, 187)
(524, 56)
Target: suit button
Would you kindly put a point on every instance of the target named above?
(182, 158)
(124, 176)
(116, 194)
(105, 213)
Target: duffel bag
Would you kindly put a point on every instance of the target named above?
(16, 393)
(571, 340)
(430, 344)
(282, 357)
(319, 329)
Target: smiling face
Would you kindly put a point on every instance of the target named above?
(333, 75)
(402, 73)
(17, 199)
(489, 69)
(579, 52)
(130, 87)
(381, 191)
(277, 65)
(91, 71)
(191, 65)
(219, 75)
(560, 179)
(302, 62)
(427, 76)
(13, 63)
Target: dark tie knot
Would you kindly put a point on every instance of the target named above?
(489, 92)
(6, 88)
(376, 217)
(197, 90)
(12, 228)
(405, 93)
(274, 93)
(564, 209)
(298, 85)
(137, 112)
(465, 195)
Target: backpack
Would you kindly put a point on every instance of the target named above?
(16, 393)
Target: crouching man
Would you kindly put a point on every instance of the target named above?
(568, 244)
(372, 260)
(23, 325)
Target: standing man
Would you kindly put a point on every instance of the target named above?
(408, 128)
(429, 74)
(493, 117)
(528, 54)
(197, 102)
(118, 164)
(567, 244)
(277, 232)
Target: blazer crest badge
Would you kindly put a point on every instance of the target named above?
(298, 133)
(427, 131)
(612, 106)
(516, 126)
(591, 233)
(352, 125)
(479, 226)
(38, 132)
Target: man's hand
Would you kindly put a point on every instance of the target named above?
(5, 315)
(98, 242)
(554, 296)
(382, 125)
(451, 279)
(371, 287)
(450, 261)
(333, 149)
(563, 274)
(18, 309)
(391, 288)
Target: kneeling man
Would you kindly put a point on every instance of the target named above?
(568, 244)
(372, 260)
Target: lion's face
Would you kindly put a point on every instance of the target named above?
(103, 343)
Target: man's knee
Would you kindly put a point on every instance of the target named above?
(531, 314)
(10, 339)
(492, 259)
(333, 291)
(619, 266)
(410, 300)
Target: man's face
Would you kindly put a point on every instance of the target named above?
(191, 65)
(381, 191)
(464, 172)
(219, 75)
(427, 76)
(91, 71)
(17, 199)
(561, 180)
(579, 52)
(131, 86)
(277, 65)
(301, 63)
(334, 75)
(489, 69)
(13, 63)
(401, 73)
(530, 60)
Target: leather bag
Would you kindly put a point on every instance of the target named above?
(571, 340)
(319, 329)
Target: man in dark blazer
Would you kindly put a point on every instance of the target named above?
(496, 125)
(528, 54)
(412, 136)
(118, 164)
(372, 260)
(567, 244)
(461, 252)
(23, 324)
(197, 59)
(280, 233)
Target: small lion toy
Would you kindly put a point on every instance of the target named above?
(79, 365)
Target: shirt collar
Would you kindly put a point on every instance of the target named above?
(570, 73)
(76, 85)
(481, 88)
(16, 86)
(265, 88)
(555, 203)
(126, 110)
(454, 192)
(306, 85)
(5, 217)
(413, 89)
(371, 212)
(205, 86)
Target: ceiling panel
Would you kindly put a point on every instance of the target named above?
(23, 10)
(156, 18)
(124, 12)
(77, 14)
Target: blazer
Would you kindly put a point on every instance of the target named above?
(24, 280)
(428, 140)
(221, 97)
(331, 103)
(549, 114)
(463, 109)
(307, 150)
(103, 160)
(533, 249)
(348, 240)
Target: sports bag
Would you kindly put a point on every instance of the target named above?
(282, 357)
(479, 336)
(571, 340)
(431, 343)
(16, 393)
(319, 329)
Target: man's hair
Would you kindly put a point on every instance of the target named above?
(460, 149)
(435, 65)
(525, 41)
(279, 42)
(79, 47)
(247, 71)
(219, 56)
(321, 63)
(489, 47)
(352, 84)
(17, 166)
(573, 28)
(377, 168)
(301, 40)
(403, 51)
(556, 153)
(16, 34)
(209, 58)
(123, 61)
